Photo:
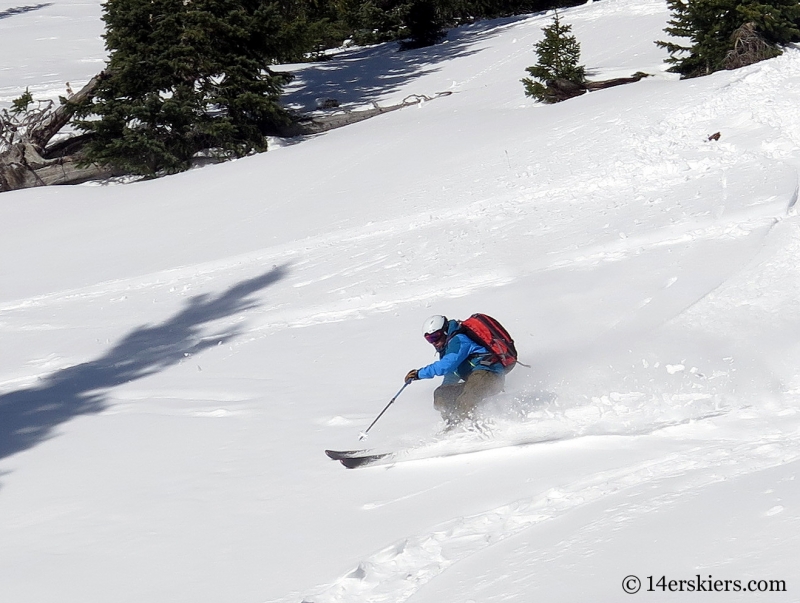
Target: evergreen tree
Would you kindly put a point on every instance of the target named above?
(184, 76)
(425, 21)
(308, 28)
(559, 54)
(374, 21)
(417, 23)
(714, 28)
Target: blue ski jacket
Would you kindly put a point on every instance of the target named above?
(459, 358)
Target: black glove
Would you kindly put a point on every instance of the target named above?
(412, 376)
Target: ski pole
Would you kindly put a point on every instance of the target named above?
(364, 433)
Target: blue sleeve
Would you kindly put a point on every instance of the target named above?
(457, 351)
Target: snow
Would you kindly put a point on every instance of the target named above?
(178, 353)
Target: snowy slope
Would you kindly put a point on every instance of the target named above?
(178, 353)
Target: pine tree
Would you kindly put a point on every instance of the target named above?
(559, 54)
(425, 21)
(184, 76)
(715, 30)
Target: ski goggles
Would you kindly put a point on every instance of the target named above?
(435, 337)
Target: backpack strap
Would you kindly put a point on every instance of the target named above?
(487, 358)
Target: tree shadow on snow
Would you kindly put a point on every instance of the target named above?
(364, 75)
(18, 10)
(29, 416)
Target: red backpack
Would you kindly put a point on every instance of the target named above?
(486, 331)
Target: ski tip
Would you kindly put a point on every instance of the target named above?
(356, 458)
(337, 455)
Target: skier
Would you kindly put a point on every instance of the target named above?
(471, 372)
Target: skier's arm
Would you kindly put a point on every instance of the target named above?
(448, 363)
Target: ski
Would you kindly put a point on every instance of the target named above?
(453, 445)
(357, 458)
(450, 443)
(354, 462)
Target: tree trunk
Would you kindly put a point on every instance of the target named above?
(23, 167)
(62, 114)
(559, 90)
(305, 126)
(30, 162)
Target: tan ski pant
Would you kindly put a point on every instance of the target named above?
(458, 401)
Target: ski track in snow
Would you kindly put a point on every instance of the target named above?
(367, 284)
(396, 572)
(378, 249)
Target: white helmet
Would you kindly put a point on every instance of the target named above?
(433, 324)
